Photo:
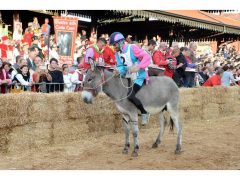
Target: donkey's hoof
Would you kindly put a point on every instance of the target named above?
(178, 151)
(155, 145)
(125, 151)
(134, 154)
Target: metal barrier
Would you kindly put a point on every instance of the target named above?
(42, 87)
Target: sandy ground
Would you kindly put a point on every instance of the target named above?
(212, 144)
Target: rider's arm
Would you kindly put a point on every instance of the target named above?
(145, 58)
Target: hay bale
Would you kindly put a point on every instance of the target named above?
(29, 136)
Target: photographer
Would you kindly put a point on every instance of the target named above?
(41, 75)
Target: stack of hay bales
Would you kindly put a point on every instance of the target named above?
(30, 120)
(209, 103)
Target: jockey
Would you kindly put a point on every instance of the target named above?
(132, 62)
(94, 52)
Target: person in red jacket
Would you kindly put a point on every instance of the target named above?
(109, 56)
(162, 59)
(215, 80)
(94, 52)
(5, 47)
(27, 37)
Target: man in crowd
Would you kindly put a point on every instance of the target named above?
(57, 77)
(46, 28)
(109, 55)
(35, 43)
(31, 56)
(95, 52)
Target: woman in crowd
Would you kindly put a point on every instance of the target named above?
(5, 78)
(190, 70)
(23, 78)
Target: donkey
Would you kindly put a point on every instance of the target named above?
(159, 94)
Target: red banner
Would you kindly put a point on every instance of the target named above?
(65, 31)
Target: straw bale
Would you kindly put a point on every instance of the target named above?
(4, 139)
(30, 136)
(66, 131)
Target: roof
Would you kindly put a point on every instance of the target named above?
(192, 18)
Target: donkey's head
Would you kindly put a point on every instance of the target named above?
(93, 81)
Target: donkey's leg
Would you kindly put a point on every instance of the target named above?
(126, 130)
(173, 109)
(162, 127)
(135, 130)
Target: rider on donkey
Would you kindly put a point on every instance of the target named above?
(132, 62)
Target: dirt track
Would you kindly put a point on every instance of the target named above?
(210, 144)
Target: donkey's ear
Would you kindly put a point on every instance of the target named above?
(92, 64)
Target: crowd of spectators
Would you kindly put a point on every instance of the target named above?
(30, 61)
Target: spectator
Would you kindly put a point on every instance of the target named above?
(179, 73)
(109, 55)
(204, 75)
(151, 48)
(23, 77)
(27, 37)
(5, 78)
(53, 53)
(84, 35)
(36, 44)
(193, 50)
(31, 56)
(68, 85)
(215, 80)
(57, 77)
(35, 25)
(18, 62)
(189, 71)
(159, 58)
(227, 77)
(41, 75)
(46, 28)
(5, 47)
(95, 52)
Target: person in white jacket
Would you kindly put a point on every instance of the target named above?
(23, 78)
(68, 85)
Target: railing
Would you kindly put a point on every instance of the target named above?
(42, 87)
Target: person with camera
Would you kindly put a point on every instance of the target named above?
(57, 77)
(163, 60)
(41, 76)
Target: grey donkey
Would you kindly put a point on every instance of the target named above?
(161, 93)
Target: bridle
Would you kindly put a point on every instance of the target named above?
(99, 84)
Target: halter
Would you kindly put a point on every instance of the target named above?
(100, 83)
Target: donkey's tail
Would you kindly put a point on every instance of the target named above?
(171, 123)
